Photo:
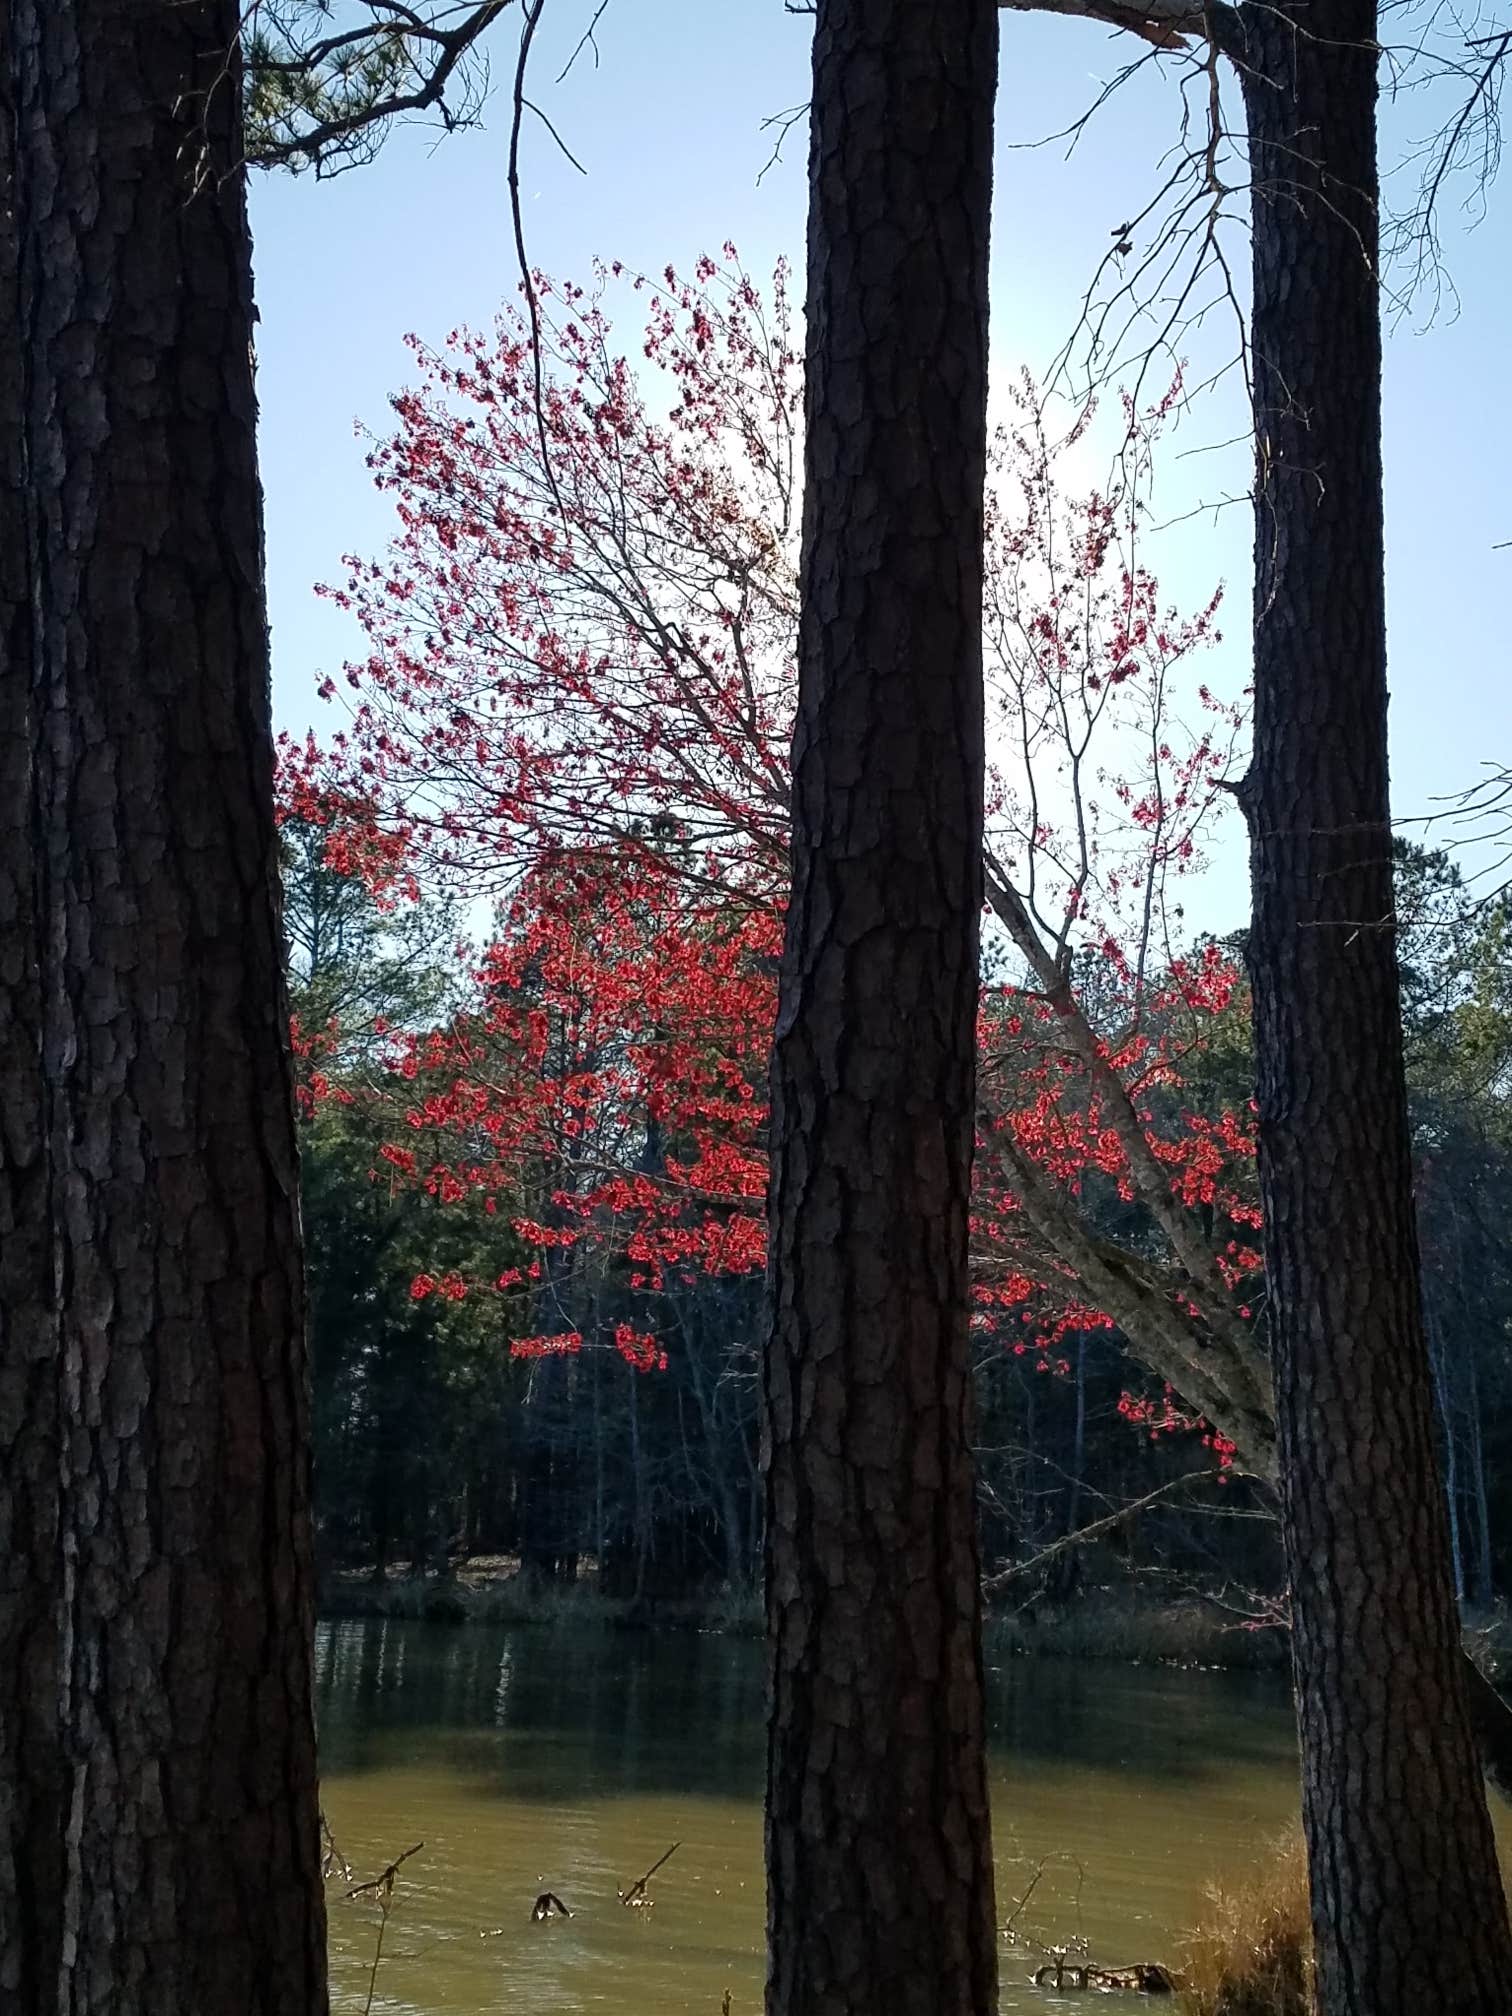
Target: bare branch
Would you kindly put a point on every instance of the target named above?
(1084, 1535)
(587, 40)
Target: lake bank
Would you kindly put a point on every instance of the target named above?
(1119, 1624)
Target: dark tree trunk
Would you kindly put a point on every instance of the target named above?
(380, 1511)
(159, 1856)
(548, 1506)
(638, 1477)
(879, 1864)
(1482, 1593)
(31, 1763)
(1404, 1875)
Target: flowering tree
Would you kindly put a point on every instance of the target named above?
(576, 698)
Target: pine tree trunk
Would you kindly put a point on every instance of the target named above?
(1404, 1876)
(879, 1864)
(31, 1763)
(159, 1855)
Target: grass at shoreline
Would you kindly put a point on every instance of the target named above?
(1124, 1624)
(1133, 1628)
(1250, 1951)
(1116, 1624)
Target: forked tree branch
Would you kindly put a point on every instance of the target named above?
(1165, 24)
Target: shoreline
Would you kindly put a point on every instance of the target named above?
(1114, 1624)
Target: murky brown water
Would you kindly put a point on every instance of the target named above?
(534, 1759)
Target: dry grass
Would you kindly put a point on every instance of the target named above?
(1132, 1628)
(1251, 1952)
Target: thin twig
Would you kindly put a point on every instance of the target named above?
(385, 1881)
(382, 1886)
(332, 1858)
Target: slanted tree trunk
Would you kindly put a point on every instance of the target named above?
(879, 1864)
(1404, 1879)
(158, 1823)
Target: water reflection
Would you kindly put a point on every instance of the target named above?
(540, 1715)
(529, 1759)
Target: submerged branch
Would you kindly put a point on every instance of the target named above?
(636, 1894)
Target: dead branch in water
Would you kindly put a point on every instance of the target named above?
(1070, 1967)
(635, 1896)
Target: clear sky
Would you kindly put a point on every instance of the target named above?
(669, 126)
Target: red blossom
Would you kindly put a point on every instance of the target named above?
(577, 696)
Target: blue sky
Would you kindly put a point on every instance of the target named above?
(669, 126)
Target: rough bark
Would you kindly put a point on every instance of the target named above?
(158, 1840)
(1403, 1867)
(31, 1836)
(878, 1852)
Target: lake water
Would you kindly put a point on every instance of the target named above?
(534, 1759)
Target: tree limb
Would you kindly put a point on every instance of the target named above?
(1165, 24)
(1216, 1373)
(1084, 1535)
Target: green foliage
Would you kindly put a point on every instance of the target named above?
(326, 79)
(356, 969)
(1456, 968)
(400, 1386)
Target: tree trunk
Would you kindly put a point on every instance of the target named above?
(1482, 1593)
(31, 1763)
(1403, 1868)
(638, 1477)
(159, 1856)
(1066, 1573)
(1444, 1404)
(718, 1450)
(598, 1463)
(548, 1511)
(879, 1863)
